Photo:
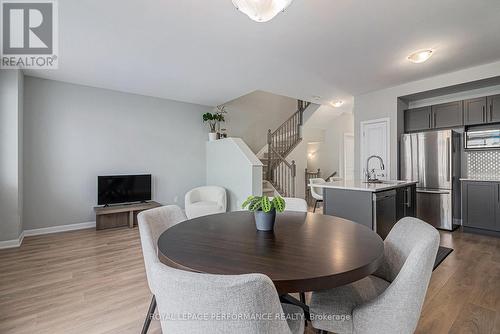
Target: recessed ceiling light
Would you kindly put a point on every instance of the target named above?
(337, 103)
(316, 97)
(420, 56)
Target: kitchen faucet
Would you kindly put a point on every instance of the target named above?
(382, 167)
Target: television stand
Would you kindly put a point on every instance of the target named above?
(120, 215)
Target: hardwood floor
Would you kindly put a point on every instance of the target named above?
(94, 282)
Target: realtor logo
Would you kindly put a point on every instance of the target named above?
(29, 34)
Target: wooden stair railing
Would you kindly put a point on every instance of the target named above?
(281, 142)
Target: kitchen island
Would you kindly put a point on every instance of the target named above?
(377, 205)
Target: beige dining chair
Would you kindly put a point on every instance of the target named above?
(152, 223)
(316, 192)
(295, 204)
(390, 300)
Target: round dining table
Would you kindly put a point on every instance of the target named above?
(305, 252)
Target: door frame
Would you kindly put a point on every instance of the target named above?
(387, 163)
(351, 135)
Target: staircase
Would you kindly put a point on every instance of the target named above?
(279, 174)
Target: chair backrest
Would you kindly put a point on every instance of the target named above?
(409, 253)
(295, 204)
(316, 192)
(207, 193)
(212, 297)
(407, 238)
(152, 223)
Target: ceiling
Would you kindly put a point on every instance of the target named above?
(207, 52)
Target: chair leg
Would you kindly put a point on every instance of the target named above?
(315, 204)
(149, 316)
(302, 296)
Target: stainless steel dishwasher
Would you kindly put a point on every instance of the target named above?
(384, 212)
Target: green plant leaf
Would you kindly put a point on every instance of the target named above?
(247, 201)
(255, 205)
(279, 203)
(265, 204)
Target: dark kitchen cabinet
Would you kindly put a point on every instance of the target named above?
(481, 205)
(493, 108)
(418, 119)
(481, 110)
(475, 111)
(385, 208)
(447, 115)
(406, 202)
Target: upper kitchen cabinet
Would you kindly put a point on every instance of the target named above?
(494, 109)
(418, 119)
(475, 111)
(447, 115)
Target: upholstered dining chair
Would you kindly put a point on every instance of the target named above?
(152, 223)
(238, 298)
(204, 201)
(295, 204)
(215, 303)
(390, 300)
(316, 192)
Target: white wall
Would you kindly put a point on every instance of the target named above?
(74, 133)
(11, 120)
(232, 165)
(385, 103)
(250, 116)
(327, 153)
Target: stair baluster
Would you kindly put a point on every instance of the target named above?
(280, 173)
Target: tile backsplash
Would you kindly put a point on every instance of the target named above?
(483, 164)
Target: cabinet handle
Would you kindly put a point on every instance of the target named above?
(484, 114)
(437, 192)
(408, 197)
(429, 119)
(450, 156)
(498, 193)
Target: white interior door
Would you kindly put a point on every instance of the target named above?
(348, 156)
(375, 136)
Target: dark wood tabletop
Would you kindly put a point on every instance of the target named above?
(306, 252)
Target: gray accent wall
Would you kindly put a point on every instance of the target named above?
(11, 121)
(74, 133)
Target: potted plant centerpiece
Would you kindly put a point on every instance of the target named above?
(264, 210)
(213, 121)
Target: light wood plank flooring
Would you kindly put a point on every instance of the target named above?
(94, 282)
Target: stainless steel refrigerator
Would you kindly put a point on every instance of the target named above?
(433, 159)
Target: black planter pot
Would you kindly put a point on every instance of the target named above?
(264, 221)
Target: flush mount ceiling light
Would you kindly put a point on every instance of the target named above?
(337, 104)
(420, 56)
(261, 10)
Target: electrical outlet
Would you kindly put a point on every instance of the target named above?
(176, 198)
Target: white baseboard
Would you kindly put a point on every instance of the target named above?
(57, 229)
(12, 243)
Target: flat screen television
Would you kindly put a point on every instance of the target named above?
(114, 189)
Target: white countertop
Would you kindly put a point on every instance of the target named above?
(481, 179)
(362, 186)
